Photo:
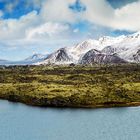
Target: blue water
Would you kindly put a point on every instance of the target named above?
(21, 122)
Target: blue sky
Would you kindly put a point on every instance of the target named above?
(42, 26)
(120, 3)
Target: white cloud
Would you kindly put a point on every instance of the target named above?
(98, 11)
(58, 11)
(101, 12)
(48, 23)
(48, 29)
(52, 23)
(16, 28)
(34, 30)
(128, 17)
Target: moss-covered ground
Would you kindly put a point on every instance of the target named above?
(72, 86)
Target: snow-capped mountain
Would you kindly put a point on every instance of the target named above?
(35, 57)
(137, 56)
(127, 49)
(72, 54)
(61, 56)
(104, 50)
(28, 61)
(96, 57)
(107, 40)
(110, 50)
(80, 49)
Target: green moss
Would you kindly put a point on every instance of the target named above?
(71, 86)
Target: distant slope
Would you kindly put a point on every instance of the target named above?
(3, 62)
(35, 57)
(28, 61)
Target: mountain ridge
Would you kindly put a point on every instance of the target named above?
(119, 49)
(111, 49)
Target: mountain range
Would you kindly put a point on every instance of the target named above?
(105, 50)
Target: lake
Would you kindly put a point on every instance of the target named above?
(22, 122)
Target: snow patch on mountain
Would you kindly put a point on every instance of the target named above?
(80, 49)
(96, 57)
(126, 49)
(61, 56)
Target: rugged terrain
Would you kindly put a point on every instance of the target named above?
(72, 86)
(105, 50)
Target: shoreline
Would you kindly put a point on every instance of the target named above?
(94, 106)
